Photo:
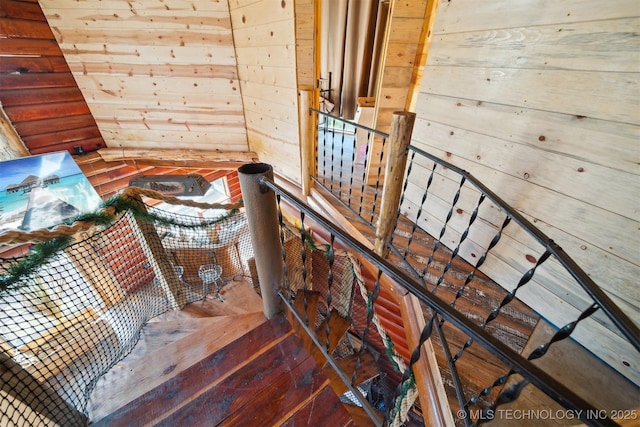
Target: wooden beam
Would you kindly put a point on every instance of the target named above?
(152, 247)
(307, 144)
(197, 159)
(11, 146)
(421, 55)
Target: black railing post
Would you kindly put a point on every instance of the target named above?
(262, 217)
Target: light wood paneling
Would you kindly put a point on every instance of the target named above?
(565, 134)
(543, 110)
(155, 73)
(137, 5)
(465, 15)
(265, 37)
(277, 77)
(537, 167)
(613, 96)
(402, 53)
(305, 43)
(537, 47)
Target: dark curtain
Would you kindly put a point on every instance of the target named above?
(348, 33)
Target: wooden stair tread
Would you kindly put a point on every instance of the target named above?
(359, 416)
(338, 326)
(367, 370)
(322, 410)
(312, 300)
(264, 378)
(152, 370)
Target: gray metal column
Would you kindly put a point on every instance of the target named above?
(262, 216)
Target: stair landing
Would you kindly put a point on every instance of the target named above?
(264, 378)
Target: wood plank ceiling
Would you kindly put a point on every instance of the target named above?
(155, 74)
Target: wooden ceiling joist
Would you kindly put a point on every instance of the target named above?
(194, 159)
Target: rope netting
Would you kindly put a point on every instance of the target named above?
(72, 307)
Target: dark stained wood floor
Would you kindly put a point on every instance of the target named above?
(265, 378)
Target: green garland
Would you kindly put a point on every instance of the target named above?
(139, 211)
(19, 272)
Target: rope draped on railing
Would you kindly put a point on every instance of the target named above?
(103, 217)
(343, 273)
(407, 397)
(516, 363)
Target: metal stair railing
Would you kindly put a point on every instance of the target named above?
(454, 243)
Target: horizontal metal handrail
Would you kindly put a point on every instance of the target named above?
(517, 363)
(350, 123)
(619, 318)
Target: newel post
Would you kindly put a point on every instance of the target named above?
(307, 146)
(262, 217)
(399, 139)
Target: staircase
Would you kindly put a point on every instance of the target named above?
(520, 328)
(263, 378)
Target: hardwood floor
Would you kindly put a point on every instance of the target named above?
(265, 378)
(219, 363)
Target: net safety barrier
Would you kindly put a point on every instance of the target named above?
(74, 304)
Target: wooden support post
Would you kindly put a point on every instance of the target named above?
(262, 217)
(180, 158)
(153, 249)
(307, 143)
(399, 139)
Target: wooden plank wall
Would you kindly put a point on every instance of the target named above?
(401, 53)
(37, 89)
(305, 43)
(154, 73)
(264, 36)
(402, 56)
(541, 103)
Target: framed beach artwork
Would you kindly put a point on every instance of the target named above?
(42, 191)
